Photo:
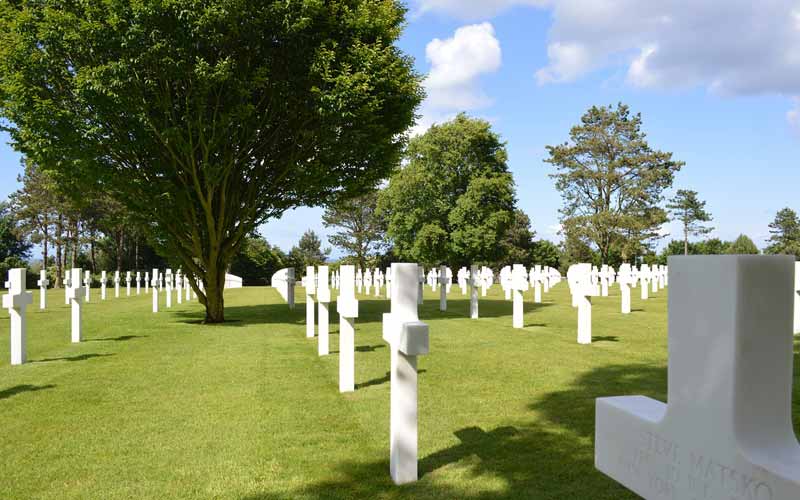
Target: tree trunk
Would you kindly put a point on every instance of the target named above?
(75, 245)
(214, 290)
(685, 242)
(59, 261)
(91, 251)
(136, 253)
(118, 240)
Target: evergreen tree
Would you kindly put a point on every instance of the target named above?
(784, 233)
(686, 207)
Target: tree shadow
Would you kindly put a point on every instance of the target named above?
(17, 389)
(122, 338)
(380, 380)
(80, 357)
(606, 338)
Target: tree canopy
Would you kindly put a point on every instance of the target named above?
(742, 245)
(784, 233)
(359, 228)
(687, 208)
(453, 200)
(207, 119)
(308, 252)
(611, 182)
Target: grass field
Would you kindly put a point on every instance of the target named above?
(156, 406)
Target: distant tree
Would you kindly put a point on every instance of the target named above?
(546, 253)
(205, 119)
(518, 242)
(453, 201)
(34, 206)
(257, 261)
(712, 246)
(742, 245)
(14, 250)
(784, 234)
(575, 251)
(687, 208)
(308, 252)
(611, 182)
(359, 229)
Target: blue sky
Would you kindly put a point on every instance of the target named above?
(716, 86)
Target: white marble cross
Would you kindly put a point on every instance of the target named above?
(536, 278)
(462, 276)
(347, 307)
(323, 302)
(505, 281)
(407, 338)
(87, 283)
(359, 280)
(146, 282)
(179, 286)
(42, 284)
(67, 286)
(290, 283)
(474, 280)
(103, 281)
(546, 278)
(155, 283)
(76, 294)
(128, 283)
(519, 285)
(606, 277)
(168, 283)
(625, 278)
(583, 289)
(726, 433)
(367, 281)
(421, 286)
(644, 280)
(443, 288)
(311, 290)
(487, 279)
(116, 284)
(388, 282)
(16, 301)
(138, 282)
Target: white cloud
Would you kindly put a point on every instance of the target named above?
(471, 9)
(457, 63)
(793, 115)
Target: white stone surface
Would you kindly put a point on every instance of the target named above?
(168, 287)
(16, 301)
(347, 307)
(42, 284)
(726, 433)
(443, 284)
(463, 276)
(76, 294)
(407, 338)
(474, 280)
(519, 285)
(796, 297)
(156, 283)
(359, 280)
(644, 281)
(67, 286)
(146, 282)
(233, 281)
(138, 282)
(583, 288)
(536, 277)
(87, 284)
(116, 284)
(103, 282)
(625, 278)
(421, 288)
(311, 290)
(323, 300)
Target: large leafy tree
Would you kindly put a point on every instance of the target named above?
(257, 261)
(453, 200)
(308, 252)
(690, 210)
(784, 233)
(359, 230)
(611, 182)
(742, 245)
(206, 118)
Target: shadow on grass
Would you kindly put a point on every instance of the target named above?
(606, 338)
(380, 380)
(17, 389)
(122, 338)
(364, 348)
(551, 457)
(80, 357)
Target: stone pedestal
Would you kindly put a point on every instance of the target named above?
(407, 338)
(323, 299)
(311, 289)
(42, 284)
(76, 294)
(727, 430)
(347, 307)
(474, 278)
(16, 301)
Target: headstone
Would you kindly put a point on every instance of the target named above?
(606, 274)
(536, 279)
(179, 286)
(726, 433)
(168, 287)
(103, 281)
(146, 282)
(420, 288)
(519, 284)
(187, 285)
(87, 283)
(378, 282)
(323, 300)
(644, 280)
(796, 297)
(443, 288)
(407, 338)
(474, 280)
(359, 280)
(388, 282)
(625, 278)
(116, 284)
(311, 290)
(367, 281)
(155, 283)
(76, 293)
(583, 289)
(128, 283)
(546, 279)
(462, 279)
(487, 280)
(138, 282)
(16, 301)
(42, 284)
(654, 278)
(347, 307)
(67, 286)
(505, 281)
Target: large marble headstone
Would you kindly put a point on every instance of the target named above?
(407, 338)
(443, 288)
(116, 284)
(347, 307)
(625, 279)
(16, 301)
(726, 433)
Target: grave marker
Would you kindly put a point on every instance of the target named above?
(347, 307)
(87, 283)
(726, 433)
(407, 338)
(42, 284)
(16, 301)
(128, 283)
(155, 283)
(76, 294)
(473, 292)
(116, 284)
(519, 283)
(310, 284)
(796, 297)
(168, 286)
(324, 299)
(103, 281)
(443, 288)
(583, 289)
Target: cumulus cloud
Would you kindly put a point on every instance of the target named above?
(457, 63)
(793, 115)
(471, 9)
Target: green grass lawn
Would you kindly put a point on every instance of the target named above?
(155, 406)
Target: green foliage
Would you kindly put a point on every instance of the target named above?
(742, 245)
(207, 118)
(360, 230)
(453, 201)
(518, 242)
(257, 261)
(13, 248)
(687, 208)
(784, 234)
(546, 253)
(611, 182)
(307, 252)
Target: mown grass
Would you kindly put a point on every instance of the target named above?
(154, 406)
